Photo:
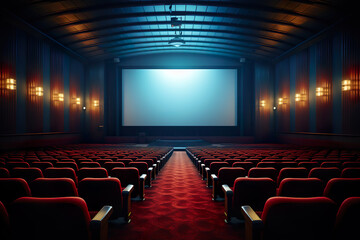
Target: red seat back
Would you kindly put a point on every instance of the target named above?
(338, 189)
(29, 174)
(347, 219)
(287, 218)
(128, 175)
(301, 187)
(98, 192)
(53, 187)
(50, 218)
(92, 173)
(261, 172)
(13, 188)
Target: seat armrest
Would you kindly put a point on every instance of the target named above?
(143, 177)
(208, 178)
(142, 186)
(228, 202)
(253, 223)
(215, 189)
(99, 224)
(126, 194)
(156, 167)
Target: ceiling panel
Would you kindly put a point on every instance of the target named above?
(104, 29)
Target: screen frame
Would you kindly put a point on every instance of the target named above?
(181, 130)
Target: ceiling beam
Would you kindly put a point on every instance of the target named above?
(222, 39)
(260, 19)
(206, 43)
(122, 4)
(246, 27)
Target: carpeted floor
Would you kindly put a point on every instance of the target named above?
(178, 206)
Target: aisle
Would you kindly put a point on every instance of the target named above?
(177, 206)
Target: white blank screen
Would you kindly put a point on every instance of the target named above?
(179, 97)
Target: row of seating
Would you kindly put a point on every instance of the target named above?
(317, 218)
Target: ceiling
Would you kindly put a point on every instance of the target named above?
(255, 29)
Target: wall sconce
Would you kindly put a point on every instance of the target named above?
(10, 84)
(321, 92)
(262, 103)
(76, 101)
(37, 91)
(346, 85)
(300, 97)
(59, 97)
(96, 103)
(282, 101)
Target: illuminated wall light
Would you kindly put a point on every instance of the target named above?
(321, 92)
(59, 97)
(11, 84)
(96, 103)
(78, 101)
(300, 97)
(282, 101)
(37, 91)
(262, 103)
(346, 85)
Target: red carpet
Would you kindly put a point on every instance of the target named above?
(177, 206)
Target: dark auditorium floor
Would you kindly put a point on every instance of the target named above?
(177, 206)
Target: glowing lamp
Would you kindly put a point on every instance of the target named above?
(346, 85)
(96, 103)
(262, 103)
(177, 42)
(282, 101)
(39, 91)
(78, 101)
(59, 97)
(321, 92)
(299, 97)
(11, 84)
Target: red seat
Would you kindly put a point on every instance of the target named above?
(308, 165)
(125, 161)
(347, 219)
(11, 165)
(4, 223)
(57, 219)
(42, 165)
(13, 188)
(53, 187)
(92, 173)
(300, 187)
(261, 172)
(245, 165)
(98, 192)
(328, 164)
(324, 174)
(226, 175)
(338, 189)
(247, 191)
(110, 165)
(29, 174)
(4, 173)
(88, 165)
(130, 175)
(286, 218)
(351, 172)
(297, 172)
(214, 169)
(61, 173)
(69, 164)
(143, 169)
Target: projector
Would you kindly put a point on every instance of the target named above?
(175, 22)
